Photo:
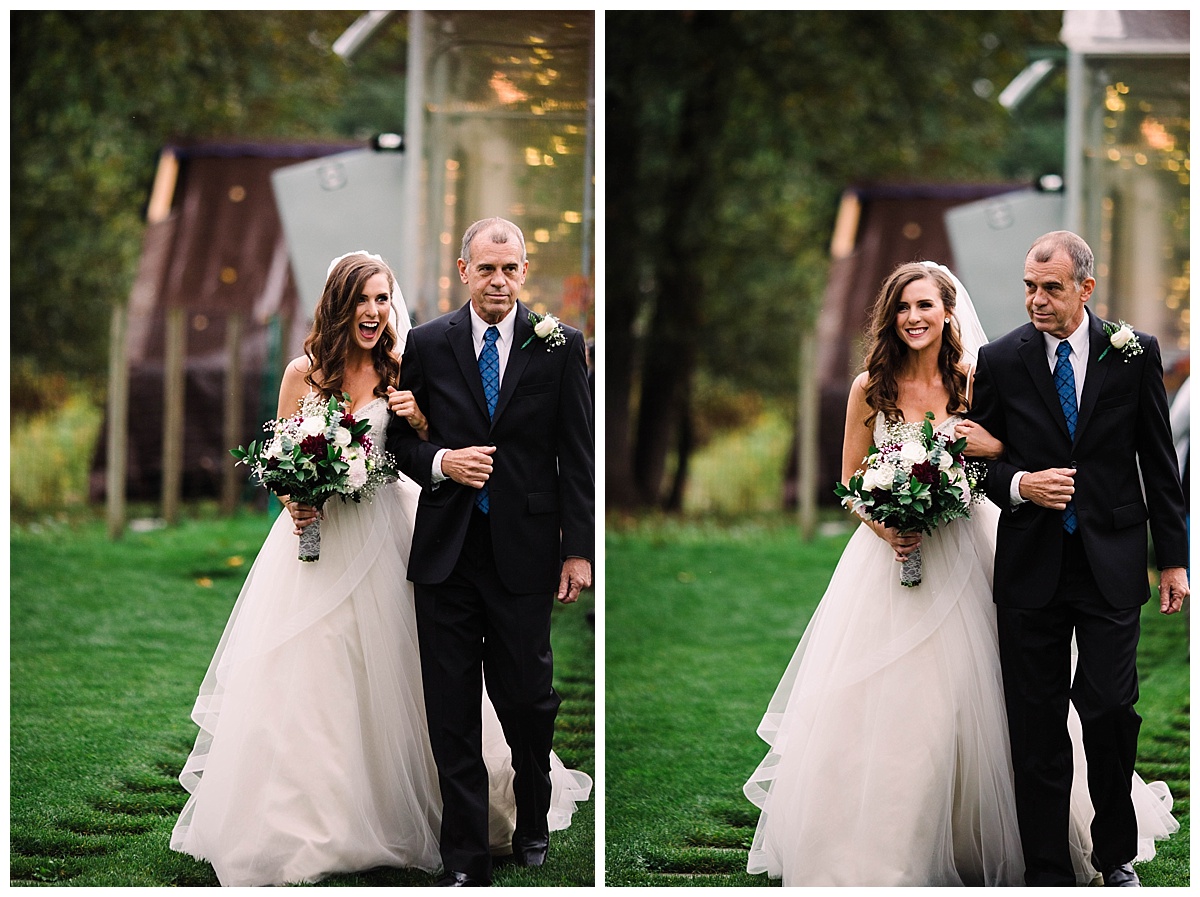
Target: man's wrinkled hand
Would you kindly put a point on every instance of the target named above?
(470, 466)
(1051, 488)
(575, 577)
(1173, 588)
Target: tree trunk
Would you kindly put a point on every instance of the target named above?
(624, 240)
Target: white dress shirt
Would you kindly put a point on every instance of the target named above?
(1080, 342)
(479, 326)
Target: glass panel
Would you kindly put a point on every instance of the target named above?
(508, 112)
(1137, 172)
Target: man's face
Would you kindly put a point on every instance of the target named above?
(1052, 297)
(494, 276)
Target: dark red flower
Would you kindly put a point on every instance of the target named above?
(314, 446)
(926, 473)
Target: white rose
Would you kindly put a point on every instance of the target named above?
(912, 453)
(356, 476)
(275, 448)
(1123, 335)
(885, 474)
(545, 326)
(945, 460)
(342, 437)
(870, 479)
(312, 426)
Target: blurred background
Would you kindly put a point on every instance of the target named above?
(181, 179)
(766, 170)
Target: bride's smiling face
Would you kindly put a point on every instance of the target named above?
(920, 315)
(374, 304)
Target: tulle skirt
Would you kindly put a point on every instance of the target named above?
(313, 753)
(889, 760)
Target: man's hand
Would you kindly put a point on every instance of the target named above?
(1051, 488)
(576, 576)
(1172, 589)
(470, 466)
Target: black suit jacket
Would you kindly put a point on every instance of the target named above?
(1122, 424)
(541, 493)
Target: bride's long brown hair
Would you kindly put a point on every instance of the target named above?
(886, 351)
(333, 322)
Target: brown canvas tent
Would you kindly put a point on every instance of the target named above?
(214, 249)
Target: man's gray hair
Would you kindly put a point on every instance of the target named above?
(1082, 262)
(498, 230)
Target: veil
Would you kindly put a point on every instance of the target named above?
(398, 320)
(970, 331)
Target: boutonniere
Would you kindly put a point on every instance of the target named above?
(1122, 338)
(548, 328)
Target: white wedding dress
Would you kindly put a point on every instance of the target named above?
(313, 754)
(889, 759)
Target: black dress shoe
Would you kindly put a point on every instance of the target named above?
(530, 851)
(1121, 876)
(460, 880)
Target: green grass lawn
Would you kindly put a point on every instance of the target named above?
(108, 644)
(699, 625)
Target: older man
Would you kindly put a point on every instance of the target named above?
(1080, 408)
(505, 525)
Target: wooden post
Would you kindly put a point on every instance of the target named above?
(231, 480)
(174, 381)
(118, 422)
(807, 433)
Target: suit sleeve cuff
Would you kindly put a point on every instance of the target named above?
(1014, 490)
(436, 476)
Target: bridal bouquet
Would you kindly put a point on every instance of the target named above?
(914, 486)
(319, 452)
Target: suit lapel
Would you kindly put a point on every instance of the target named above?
(1097, 371)
(458, 334)
(518, 359)
(1033, 355)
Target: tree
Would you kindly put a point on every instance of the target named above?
(95, 96)
(730, 138)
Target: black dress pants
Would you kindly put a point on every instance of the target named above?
(472, 630)
(1035, 655)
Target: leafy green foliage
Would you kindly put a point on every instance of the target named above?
(95, 96)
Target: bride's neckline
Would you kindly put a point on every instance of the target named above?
(917, 423)
(356, 411)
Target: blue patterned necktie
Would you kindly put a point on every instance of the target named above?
(489, 372)
(1064, 382)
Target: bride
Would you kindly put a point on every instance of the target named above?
(889, 756)
(313, 754)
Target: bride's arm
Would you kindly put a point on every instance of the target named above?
(855, 444)
(980, 443)
(857, 439)
(291, 391)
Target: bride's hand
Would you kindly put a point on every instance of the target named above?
(980, 443)
(302, 514)
(402, 403)
(903, 544)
